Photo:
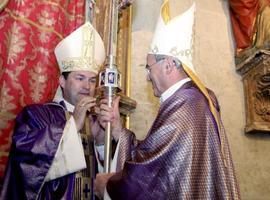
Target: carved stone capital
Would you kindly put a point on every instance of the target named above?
(256, 78)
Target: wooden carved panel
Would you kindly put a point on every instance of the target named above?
(256, 78)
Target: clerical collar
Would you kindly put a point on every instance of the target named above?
(171, 90)
(69, 106)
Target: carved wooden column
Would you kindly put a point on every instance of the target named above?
(255, 71)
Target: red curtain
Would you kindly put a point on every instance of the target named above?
(29, 32)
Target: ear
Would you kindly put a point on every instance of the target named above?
(170, 65)
(62, 81)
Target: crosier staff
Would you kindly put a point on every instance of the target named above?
(110, 77)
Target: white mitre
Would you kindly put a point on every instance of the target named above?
(82, 50)
(173, 37)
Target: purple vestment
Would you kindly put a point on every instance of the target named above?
(35, 140)
(181, 156)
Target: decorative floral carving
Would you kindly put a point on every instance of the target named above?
(262, 95)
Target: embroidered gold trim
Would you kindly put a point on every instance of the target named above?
(175, 52)
(86, 61)
(155, 50)
(68, 115)
(184, 52)
(28, 21)
(78, 64)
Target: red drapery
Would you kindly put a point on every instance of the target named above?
(243, 17)
(29, 32)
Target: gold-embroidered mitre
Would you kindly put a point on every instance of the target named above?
(82, 50)
(173, 37)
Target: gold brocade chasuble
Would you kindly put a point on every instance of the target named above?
(84, 179)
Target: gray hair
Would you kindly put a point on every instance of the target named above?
(176, 61)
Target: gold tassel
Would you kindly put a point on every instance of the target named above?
(165, 11)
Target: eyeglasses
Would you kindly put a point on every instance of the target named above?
(148, 67)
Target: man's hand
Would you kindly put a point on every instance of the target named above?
(85, 104)
(101, 182)
(111, 114)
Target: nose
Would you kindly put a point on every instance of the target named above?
(86, 85)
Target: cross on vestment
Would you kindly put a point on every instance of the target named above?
(84, 143)
(86, 190)
(84, 179)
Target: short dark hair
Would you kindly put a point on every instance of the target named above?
(65, 75)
